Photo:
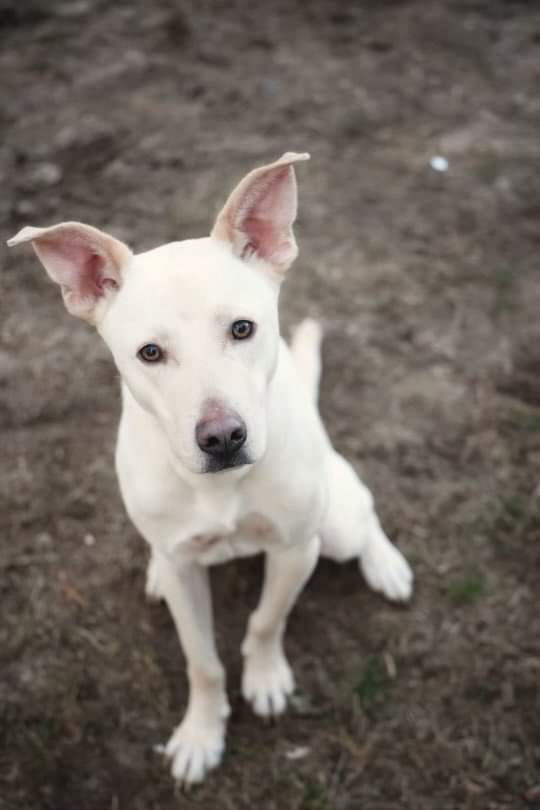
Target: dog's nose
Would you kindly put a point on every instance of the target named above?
(221, 436)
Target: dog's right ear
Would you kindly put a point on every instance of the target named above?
(87, 263)
(257, 218)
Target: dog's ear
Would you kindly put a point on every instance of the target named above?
(257, 218)
(85, 262)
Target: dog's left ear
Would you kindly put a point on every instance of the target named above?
(86, 263)
(257, 218)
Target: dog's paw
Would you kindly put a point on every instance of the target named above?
(386, 570)
(152, 587)
(195, 748)
(267, 682)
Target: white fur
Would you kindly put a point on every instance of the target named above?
(298, 498)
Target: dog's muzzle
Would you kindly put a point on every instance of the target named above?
(221, 438)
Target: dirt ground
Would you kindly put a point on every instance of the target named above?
(138, 117)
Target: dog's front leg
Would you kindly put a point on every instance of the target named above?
(197, 744)
(267, 678)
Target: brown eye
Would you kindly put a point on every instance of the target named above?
(150, 353)
(240, 330)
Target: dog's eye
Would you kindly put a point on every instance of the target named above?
(240, 330)
(150, 353)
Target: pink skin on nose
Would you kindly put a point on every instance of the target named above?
(217, 416)
(214, 410)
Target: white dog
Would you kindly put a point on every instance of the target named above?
(221, 451)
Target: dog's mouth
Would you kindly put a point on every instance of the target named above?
(217, 464)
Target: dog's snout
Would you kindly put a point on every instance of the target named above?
(221, 436)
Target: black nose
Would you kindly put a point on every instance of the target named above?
(222, 436)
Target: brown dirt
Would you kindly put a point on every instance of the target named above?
(138, 117)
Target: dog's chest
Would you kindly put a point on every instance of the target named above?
(250, 535)
(216, 527)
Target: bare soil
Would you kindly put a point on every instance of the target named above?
(138, 117)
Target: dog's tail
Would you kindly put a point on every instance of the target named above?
(306, 351)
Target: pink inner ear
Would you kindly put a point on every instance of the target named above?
(260, 235)
(94, 279)
(265, 215)
(77, 266)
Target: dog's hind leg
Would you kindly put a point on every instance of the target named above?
(306, 352)
(351, 529)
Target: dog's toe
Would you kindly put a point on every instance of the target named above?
(267, 685)
(195, 750)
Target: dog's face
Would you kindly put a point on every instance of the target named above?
(192, 326)
(194, 333)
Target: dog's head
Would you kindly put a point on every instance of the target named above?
(193, 325)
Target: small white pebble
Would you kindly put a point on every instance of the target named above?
(390, 665)
(299, 752)
(159, 748)
(89, 539)
(439, 163)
